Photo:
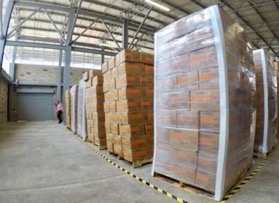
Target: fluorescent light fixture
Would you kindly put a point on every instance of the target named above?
(157, 5)
(106, 45)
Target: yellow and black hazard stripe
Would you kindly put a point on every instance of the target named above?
(251, 175)
(180, 200)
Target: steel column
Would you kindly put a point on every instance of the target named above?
(102, 57)
(5, 27)
(1, 19)
(66, 73)
(125, 35)
(59, 77)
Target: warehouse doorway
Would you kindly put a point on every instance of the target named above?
(35, 106)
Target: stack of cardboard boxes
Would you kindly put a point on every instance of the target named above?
(74, 102)
(128, 87)
(276, 67)
(95, 117)
(204, 98)
(266, 128)
(68, 108)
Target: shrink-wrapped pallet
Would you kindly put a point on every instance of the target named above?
(276, 66)
(267, 106)
(81, 121)
(74, 102)
(204, 110)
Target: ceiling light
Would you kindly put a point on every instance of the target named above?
(157, 5)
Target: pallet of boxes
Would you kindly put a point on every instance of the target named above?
(68, 108)
(204, 119)
(128, 87)
(267, 98)
(276, 67)
(95, 117)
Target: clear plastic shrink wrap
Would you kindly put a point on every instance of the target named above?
(74, 96)
(267, 112)
(81, 119)
(204, 110)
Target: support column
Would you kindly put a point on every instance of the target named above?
(59, 77)
(5, 27)
(102, 57)
(66, 75)
(13, 66)
(125, 35)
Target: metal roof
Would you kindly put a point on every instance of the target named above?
(100, 22)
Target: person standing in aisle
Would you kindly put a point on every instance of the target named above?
(59, 111)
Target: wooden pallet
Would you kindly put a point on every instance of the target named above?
(264, 155)
(188, 187)
(140, 163)
(135, 164)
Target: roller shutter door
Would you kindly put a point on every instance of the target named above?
(35, 106)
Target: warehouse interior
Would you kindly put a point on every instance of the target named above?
(85, 53)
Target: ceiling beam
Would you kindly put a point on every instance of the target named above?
(83, 12)
(58, 47)
(264, 20)
(82, 27)
(252, 28)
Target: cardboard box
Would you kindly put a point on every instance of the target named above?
(209, 78)
(111, 62)
(184, 138)
(167, 118)
(114, 72)
(149, 128)
(85, 76)
(106, 87)
(148, 92)
(111, 95)
(203, 58)
(113, 106)
(128, 105)
(132, 130)
(137, 154)
(187, 119)
(118, 150)
(88, 83)
(148, 70)
(114, 128)
(147, 58)
(98, 80)
(131, 117)
(117, 140)
(107, 127)
(129, 93)
(106, 107)
(147, 80)
(205, 180)
(127, 81)
(210, 121)
(134, 142)
(107, 76)
(109, 137)
(94, 72)
(112, 84)
(127, 56)
(110, 146)
(203, 100)
(209, 142)
(128, 68)
(105, 67)
(175, 101)
(147, 103)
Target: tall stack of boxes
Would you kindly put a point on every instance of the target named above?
(95, 117)
(266, 127)
(204, 98)
(68, 108)
(128, 87)
(74, 107)
(276, 67)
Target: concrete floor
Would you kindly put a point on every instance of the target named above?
(44, 162)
